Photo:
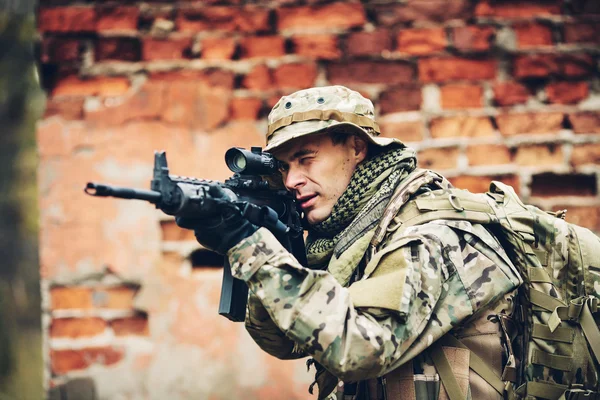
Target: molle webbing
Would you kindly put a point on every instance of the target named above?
(323, 115)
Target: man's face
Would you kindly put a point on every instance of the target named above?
(318, 171)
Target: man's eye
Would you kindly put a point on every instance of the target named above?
(284, 167)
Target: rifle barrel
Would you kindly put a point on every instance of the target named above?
(98, 190)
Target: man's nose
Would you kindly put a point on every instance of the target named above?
(294, 179)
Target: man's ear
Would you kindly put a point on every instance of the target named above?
(359, 145)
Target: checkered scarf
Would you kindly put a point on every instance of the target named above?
(360, 206)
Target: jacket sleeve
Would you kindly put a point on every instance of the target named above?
(266, 334)
(447, 277)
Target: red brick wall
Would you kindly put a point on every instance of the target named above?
(483, 90)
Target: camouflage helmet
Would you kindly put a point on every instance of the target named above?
(322, 109)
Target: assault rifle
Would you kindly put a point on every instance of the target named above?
(250, 189)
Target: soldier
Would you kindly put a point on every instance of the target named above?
(377, 296)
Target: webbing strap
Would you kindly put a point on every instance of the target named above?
(323, 115)
(543, 390)
(561, 334)
(590, 329)
(445, 372)
(478, 365)
(539, 275)
(413, 182)
(579, 394)
(544, 300)
(562, 363)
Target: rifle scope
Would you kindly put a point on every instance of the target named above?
(253, 162)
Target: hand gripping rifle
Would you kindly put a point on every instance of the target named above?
(260, 201)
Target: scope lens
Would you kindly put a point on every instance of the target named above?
(239, 161)
(236, 160)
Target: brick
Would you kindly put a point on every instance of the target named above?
(69, 297)
(117, 18)
(488, 154)
(579, 32)
(421, 41)
(406, 131)
(295, 75)
(539, 155)
(588, 217)
(63, 361)
(530, 122)
(400, 98)
(586, 154)
(212, 77)
(67, 19)
(368, 43)
(69, 108)
(59, 50)
(137, 326)
(567, 92)
(116, 298)
(195, 105)
(112, 48)
(421, 11)
(509, 93)
(585, 122)
(77, 327)
(218, 48)
(222, 18)
(146, 103)
(516, 10)
(531, 35)
(544, 65)
(101, 86)
(262, 46)
(172, 232)
(461, 126)
(390, 73)
(246, 108)
(259, 78)
(551, 185)
(323, 46)
(172, 48)
(473, 38)
(461, 95)
(212, 107)
(330, 16)
(481, 184)
(438, 158)
(437, 69)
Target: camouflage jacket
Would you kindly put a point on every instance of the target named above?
(420, 284)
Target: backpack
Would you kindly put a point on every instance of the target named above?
(552, 338)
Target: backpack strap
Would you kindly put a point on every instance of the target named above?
(408, 187)
(444, 370)
(477, 364)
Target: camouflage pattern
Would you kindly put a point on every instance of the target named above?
(452, 271)
(455, 277)
(328, 98)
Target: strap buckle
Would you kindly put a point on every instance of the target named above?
(580, 394)
(572, 312)
(455, 202)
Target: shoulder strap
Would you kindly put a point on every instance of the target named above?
(409, 186)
